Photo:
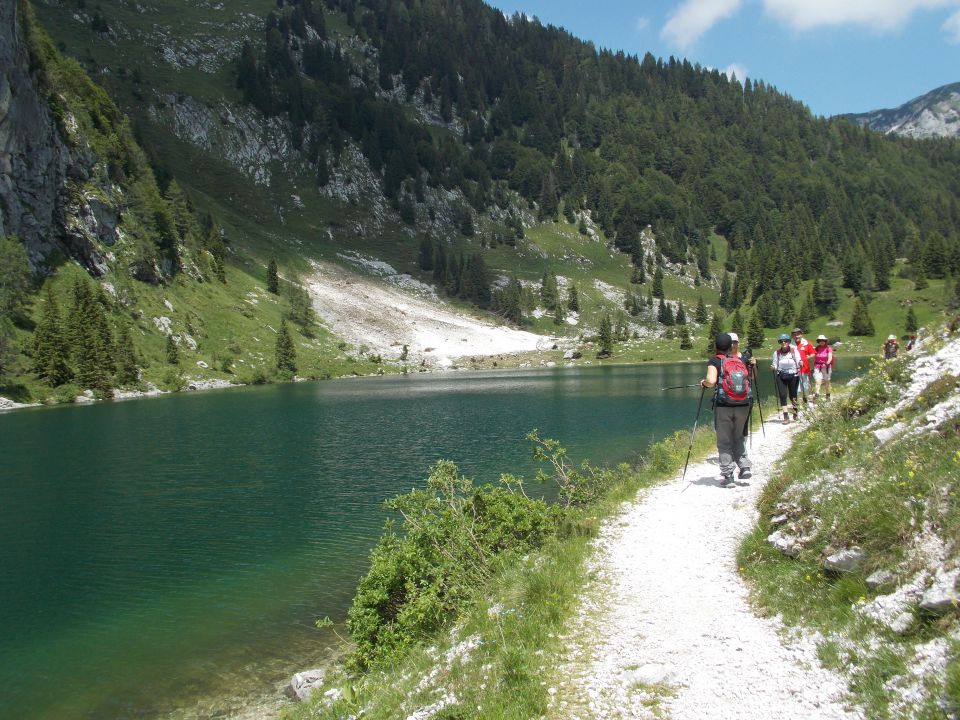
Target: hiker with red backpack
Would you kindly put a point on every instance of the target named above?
(787, 365)
(732, 404)
(822, 365)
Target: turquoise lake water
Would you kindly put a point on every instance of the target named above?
(168, 557)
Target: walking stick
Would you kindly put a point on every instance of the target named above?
(756, 386)
(678, 387)
(695, 421)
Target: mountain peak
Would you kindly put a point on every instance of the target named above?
(935, 114)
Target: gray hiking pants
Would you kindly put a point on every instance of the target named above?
(731, 424)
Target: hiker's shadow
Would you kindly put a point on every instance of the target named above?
(706, 480)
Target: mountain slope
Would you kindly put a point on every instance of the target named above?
(934, 114)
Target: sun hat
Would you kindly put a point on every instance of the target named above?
(822, 337)
(783, 337)
(891, 337)
(797, 330)
(734, 337)
(723, 341)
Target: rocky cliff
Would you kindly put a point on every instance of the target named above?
(40, 170)
(935, 114)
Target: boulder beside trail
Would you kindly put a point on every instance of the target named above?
(304, 684)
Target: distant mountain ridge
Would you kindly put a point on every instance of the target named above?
(935, 114)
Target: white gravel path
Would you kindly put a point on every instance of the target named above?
(667, 630)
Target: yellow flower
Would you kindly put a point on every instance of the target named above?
(910, 474)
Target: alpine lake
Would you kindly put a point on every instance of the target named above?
(169, 557)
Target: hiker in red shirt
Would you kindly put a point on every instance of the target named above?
(806, 364)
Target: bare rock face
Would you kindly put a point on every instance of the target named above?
(37, 168)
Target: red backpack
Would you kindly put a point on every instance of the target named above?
(733, 387)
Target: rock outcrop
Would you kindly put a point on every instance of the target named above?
(39, 170)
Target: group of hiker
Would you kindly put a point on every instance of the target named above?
(796, 365)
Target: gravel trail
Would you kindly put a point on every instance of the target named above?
(667, 629)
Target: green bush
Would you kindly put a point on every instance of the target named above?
(454, 537)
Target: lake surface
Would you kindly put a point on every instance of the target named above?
(167, 558)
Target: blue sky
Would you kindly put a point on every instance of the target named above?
(835, 56)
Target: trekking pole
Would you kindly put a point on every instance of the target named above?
(692, 432)
(756, 387)
(678, 387)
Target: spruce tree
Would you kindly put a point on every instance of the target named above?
(920, 280)
(910, 324)
(665, 313)
(273, 281)
(14, 277)
(860, 322)
(605, 337)
(657, 288)
(559, 314)
(126, 359)
(724, 301)
(755, 335)
(50, 348)
(573, 299)
(548, 290)
(8, 350)
(171, 351)
(716, 327)
(681, 317)
(700, 314)
(685, 342)
(286, 356)
(736, 322)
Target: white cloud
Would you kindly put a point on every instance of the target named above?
(952, 27)
(880, 15)
(736, 69)
(643, 23)
(694, 17)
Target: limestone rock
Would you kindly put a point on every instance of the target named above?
(789, 545)
(941, 597)
(846, 561)
(304, 684)
(880, 579)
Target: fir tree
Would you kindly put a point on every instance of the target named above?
(910, 324)
(716, 327)
(736, 322)
(50, 351)
(605, 337)
(681, 317)
(548, 290)
(860, 322)
(920, 280)
(573, 299)
(700, 314)
(172, 351)
(14, 277)
(126, 359)
(724, 300)
(559, 314)
(657, 288)
(273, 281)
(755, 335)
(665, 313)
(685, 341)
(286, 356)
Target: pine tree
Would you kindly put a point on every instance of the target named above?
(736, 322)
(681, 317)
(700, 314)
(910, 324)
(548, 290)
(172, 351)
(716, 327)
(830, 275)
(50, 349)
(126, 359)
(573, 299)
(724, 301)
(920, 280)
(657, 288)
(755, 335)
(860, 322)
(90, 342)
(605, 337)
(286, 355)
(14, 277)
(273, 281)
(559, 314)
(685, 342)
(665, 313)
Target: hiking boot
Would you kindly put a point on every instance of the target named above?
(786, 418)
(796, 416)
(745, 473)
(727, 481)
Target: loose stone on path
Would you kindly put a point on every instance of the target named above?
(667, 629)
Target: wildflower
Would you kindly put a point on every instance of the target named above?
(910, 474)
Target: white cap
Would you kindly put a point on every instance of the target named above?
(734, 337)
(822, 337)
(891, 337)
